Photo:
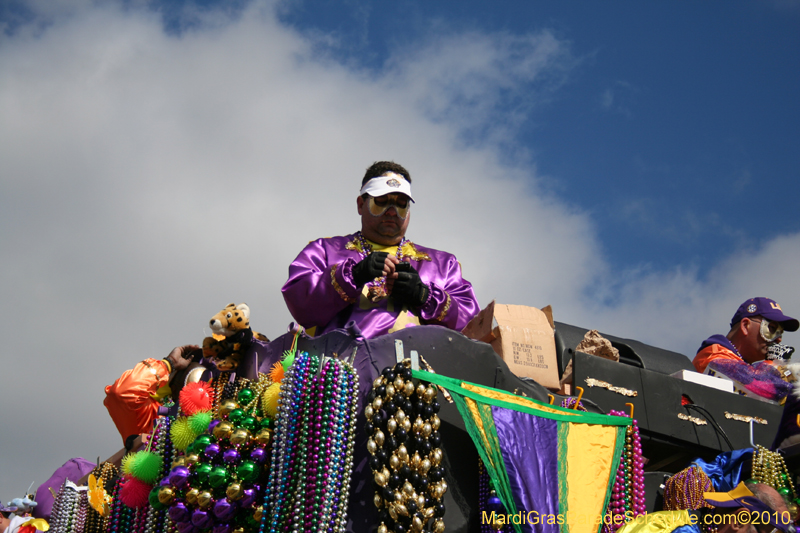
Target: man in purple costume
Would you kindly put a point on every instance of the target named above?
(376, 277)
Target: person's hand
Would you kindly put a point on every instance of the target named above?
(375, 265)
(407, 287)
(181, 356)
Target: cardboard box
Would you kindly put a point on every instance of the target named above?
(523, 337)
(704, 379)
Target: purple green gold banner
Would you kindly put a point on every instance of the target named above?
(553, 468)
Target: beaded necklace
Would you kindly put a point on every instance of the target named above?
(403, 430)
(121, 514)
(684, 490)
(770, 468)
(64, 514)
(628, 495)
(376, 289)
(312, 459)
(488, 503)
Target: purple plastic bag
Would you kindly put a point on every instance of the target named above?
(74, 469)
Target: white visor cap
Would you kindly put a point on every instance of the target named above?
(387, 184)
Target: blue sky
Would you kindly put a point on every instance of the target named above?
(633, 164)
(676, 124)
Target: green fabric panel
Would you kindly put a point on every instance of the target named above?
(563, 502)
(491, 456)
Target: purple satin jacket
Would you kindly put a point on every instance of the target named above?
(320, 291)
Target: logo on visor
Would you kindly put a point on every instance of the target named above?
(393, 183)
(775, 305)
(752, 308)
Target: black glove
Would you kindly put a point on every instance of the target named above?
(408, 288)
(369, 268)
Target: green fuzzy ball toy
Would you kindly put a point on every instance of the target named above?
(146, 466)
(199, 421)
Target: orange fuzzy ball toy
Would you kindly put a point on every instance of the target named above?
(195, 397)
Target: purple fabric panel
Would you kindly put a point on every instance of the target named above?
(314, 301)
(74, 469)
(529, 445)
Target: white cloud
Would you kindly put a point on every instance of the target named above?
(148, 180)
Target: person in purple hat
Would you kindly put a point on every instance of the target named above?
(757, 324)
(376, 278)
(9, 523)
(740, 355)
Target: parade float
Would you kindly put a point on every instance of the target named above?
(423, 429)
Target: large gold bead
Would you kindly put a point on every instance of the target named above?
(382, 528)
(394, 462)
(257, 514)
(438, 526)
(443, 484)
(378, 382)
(424, 466)
(428, 511)
(240, 436)
(415, 461)
(408, 388)
(380, 479)
(264, 436)
(377, 500)
(429, 395)
(399, 383)
(418, 423)
(191, 496)
(416, 524)
(204, 499)
(400, 416)
(408, 488)
(179, 461)
(391, 425)
(427, 429)
(227, 406)
(371, 446)
(421, 390)
(401, 509)
(402, 452)
(379, 437)
(369, 412)
(377, 403)
(238, 530)
(192, 459)
(234, 492)
(393, 512)
(166, 495)
(390, 390)
(223, 430)
(436, 456)
(435, 422)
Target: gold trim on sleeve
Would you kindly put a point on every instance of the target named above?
(339, 288)
(443, 314)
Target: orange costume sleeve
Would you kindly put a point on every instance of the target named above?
(713, 351)
(128, 400)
